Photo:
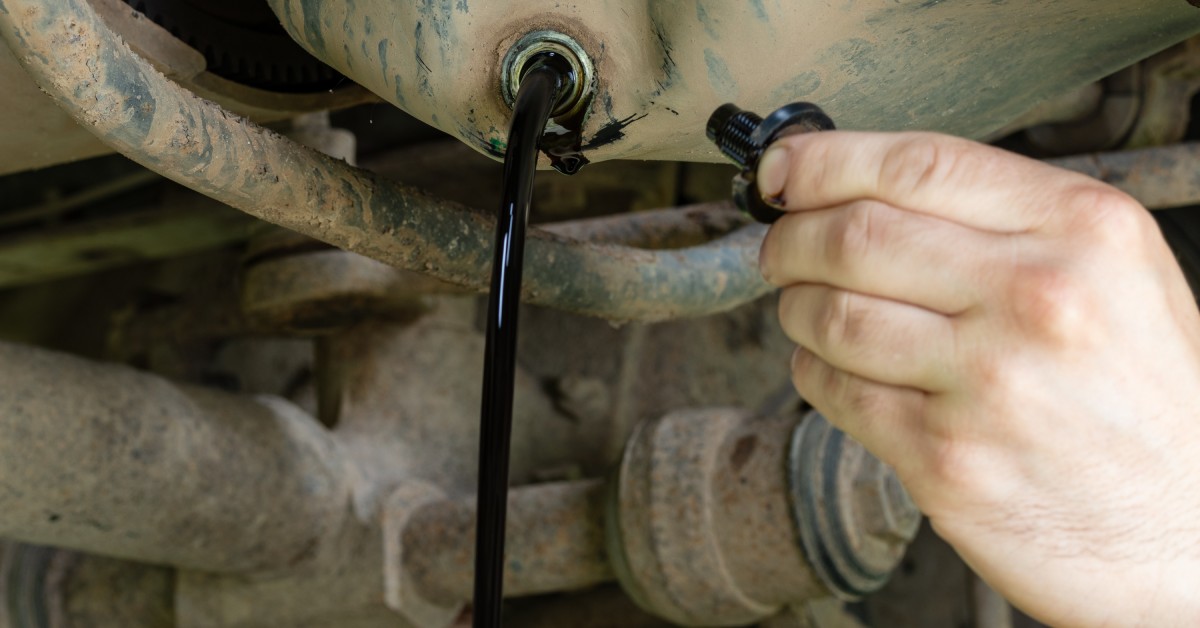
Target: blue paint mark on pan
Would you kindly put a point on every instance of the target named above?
(719, 75)
(760, 11)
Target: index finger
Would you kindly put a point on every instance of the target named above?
(955, 179)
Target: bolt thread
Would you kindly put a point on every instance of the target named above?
(731, 128)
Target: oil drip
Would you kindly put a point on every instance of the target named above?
(563, 140)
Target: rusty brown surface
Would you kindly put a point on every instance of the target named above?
(1171, 80)
(855, 520)
(414, 391)
(451, 170)
(753, 526)
(44, 587)
(133, 108)
(1105, 127)
(682, 523)
(96, 592)
(325, 290)
(672, 228)
(602, 607)
(108, 460)
(1159, 178)
(304, 287)
(34, 133)
(554, 542)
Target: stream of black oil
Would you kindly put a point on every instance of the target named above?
(528, 131)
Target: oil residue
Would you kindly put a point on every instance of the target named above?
(563, 140)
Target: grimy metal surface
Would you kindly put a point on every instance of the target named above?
(92, 74)
(34, 133)
(1161, 177)
(961, 66)
(555, 542)
(108, 460)
(696, 532)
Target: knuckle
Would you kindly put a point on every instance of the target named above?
(834, 391)
(1110, 218)
(1053, 304)
(827, 388)
(952, 464)
(996, 376)
(860, 399)
(853, 236)
(841, 321)
(922, 160)
(959, 466)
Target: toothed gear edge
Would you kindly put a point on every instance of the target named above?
(242, 41)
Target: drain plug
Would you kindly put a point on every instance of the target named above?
(519, 58)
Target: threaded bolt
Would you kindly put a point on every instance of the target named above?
(742, 136)
(731, 128)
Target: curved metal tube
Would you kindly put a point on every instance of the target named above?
(108, 460)
(555, 543)
(93, 75)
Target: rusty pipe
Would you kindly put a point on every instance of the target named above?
(720, 517)
(1159, 178)
(715, 517)
(47, 587)
(91, 73)
(108, 460)
(554, 540)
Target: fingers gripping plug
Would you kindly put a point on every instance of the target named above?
(742, 136)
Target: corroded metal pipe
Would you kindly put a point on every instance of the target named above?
(1159, 178)
(112, 461)
(92, 74)
(555, 542)
(715, 517)
(47, 587)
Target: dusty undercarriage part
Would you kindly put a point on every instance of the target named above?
(243, 42)
(666, 65)
(557, 526)
(1148, 104)
(698, 533)
(353, 209)
(109, 460)
(36, 134)
(698, 528)
(50, 587)
(348, 503)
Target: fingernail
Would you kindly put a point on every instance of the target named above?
(772, 173)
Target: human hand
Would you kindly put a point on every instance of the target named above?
(1018, 342)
